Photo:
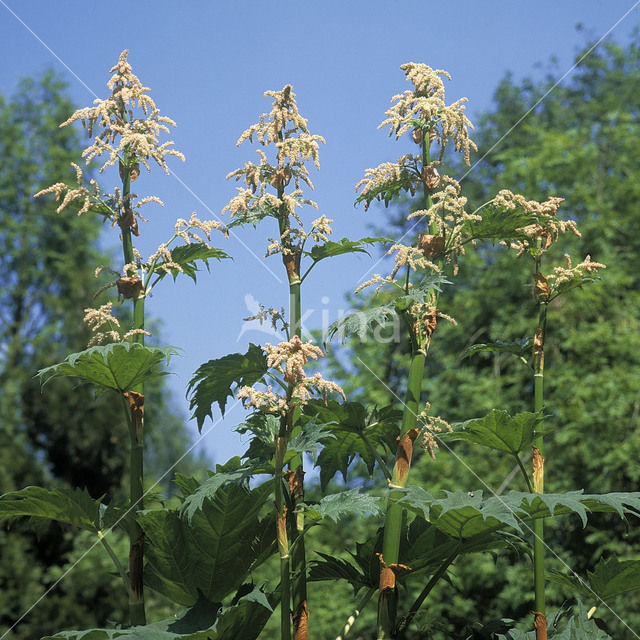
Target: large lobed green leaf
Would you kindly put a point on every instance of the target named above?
(353, 432)
(333, 248)
(215, 380)
(499, 223)
(347, 503)
(210, 554)
(465, 515)
(498, 430)
(205, 620)
(69, 506)
(610, 578)
(119, 366)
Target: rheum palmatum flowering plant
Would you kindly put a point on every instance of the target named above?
(208, 552)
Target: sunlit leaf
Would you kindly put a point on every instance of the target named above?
(354, 433)
(333, 248)
(119, 366)
(362, 323)
(499, 223)
(188, 257)
(464, 515)
(232, 472)
(344, 504)
(497, 430)
(216, 380)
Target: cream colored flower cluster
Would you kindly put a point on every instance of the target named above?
(426, 104)
(412, 257)
(122, 135)
(89, 196)
(288, 358)
(429, 427)
(287, 131)
(192, 231)
(569, 272)
(106, 327)
(546, 230)
(447, 215)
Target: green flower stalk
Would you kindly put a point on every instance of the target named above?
(127, 126)
(422, 112)
(536, 239)
(287, 130)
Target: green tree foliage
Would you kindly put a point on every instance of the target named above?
(67, 436)
(579, 142)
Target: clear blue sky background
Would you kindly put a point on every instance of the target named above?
(208, 63)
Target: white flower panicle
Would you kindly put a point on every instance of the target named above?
(121, 132)
(288, 358)
(286, 130)
(548, 226)
(106, 327)
(429, 427)
(426, 104)
(569, 272)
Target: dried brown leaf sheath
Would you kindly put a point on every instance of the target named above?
(432, 246)
(389, 573)
(542, 289)
(538, 470)
(403, 455)
(540, 625)
(301, 622)
(129, 287)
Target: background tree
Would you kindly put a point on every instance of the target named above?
(47, 265)
(579, 143)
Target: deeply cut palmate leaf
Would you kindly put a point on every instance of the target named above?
(215, 381)
(69, 506)
(119, 366)
(464, 515)
(354, 432)
(344, 504)
(497, 430)
(188, 256)
(333, 248)
(610, 578)
(213, 552)
(204, 621)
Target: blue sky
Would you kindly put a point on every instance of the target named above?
(208, 64)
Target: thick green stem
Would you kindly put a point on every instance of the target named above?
(281, 532)
(387, 602)
(387, 596)
(135, 398)
(538, 460)
(296, 489)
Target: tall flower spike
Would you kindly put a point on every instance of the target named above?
(119, 128)
(425, 107)
(285, 130)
